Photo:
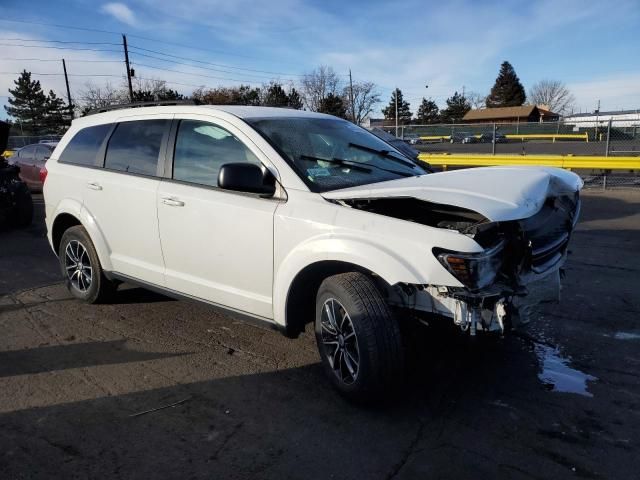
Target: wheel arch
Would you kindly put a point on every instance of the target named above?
(301, 295)
(66, 219)
(62, 223)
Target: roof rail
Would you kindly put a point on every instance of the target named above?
(121, 106)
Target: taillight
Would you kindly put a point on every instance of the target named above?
(43, 174)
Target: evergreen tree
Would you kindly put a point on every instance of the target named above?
(275, 96)
(404, 113)
(294, 99)
(428, 112)
(333, 105)
(170, 94)
(143, 96)
(507, 91)
(57, 115)
(245, 95)
(27, 104)
(457, 107)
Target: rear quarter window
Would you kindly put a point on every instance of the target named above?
(84, 146)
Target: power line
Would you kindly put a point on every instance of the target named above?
(57, 25)
(195, 66)
(187, 73)
(56, 41)
(59, 48)
(57, 60)
(214, 64)
(62, 74)
(110, 32)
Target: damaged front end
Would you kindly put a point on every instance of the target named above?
(519, 268)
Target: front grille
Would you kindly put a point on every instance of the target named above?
(547, 232)
(546, 256)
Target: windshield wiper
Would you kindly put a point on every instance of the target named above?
(390, 154)
(338, 161)
(355, 165)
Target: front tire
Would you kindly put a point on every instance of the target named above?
(81, 269)
(358, 338)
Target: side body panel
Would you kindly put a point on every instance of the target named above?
(309, 229)
(123, 206)
(218, 244)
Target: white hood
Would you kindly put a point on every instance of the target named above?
(497, 193)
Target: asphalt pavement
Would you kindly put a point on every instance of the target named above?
(149, 387)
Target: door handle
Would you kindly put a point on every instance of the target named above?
(94, 186)
(172, 202)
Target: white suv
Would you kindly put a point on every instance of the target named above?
(290, 217)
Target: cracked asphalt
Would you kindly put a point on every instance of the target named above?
(149, 387)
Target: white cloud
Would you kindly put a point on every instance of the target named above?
(615, 92)
(120, 12)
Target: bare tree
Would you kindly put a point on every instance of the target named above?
(94, 96)
(317, 85)
(152, 85)
(365, 97)
(476, 100)
(553, 94)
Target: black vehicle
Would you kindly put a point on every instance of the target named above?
(487, 137)
(16, 205)
(463, 137)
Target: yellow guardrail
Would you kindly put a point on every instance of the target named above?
(436, 137)
(528, 136)
(569, 162)
(552, 136)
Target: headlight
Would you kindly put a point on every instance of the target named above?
(475, 270)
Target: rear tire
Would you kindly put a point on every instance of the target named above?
(358, 338)
(81, 269)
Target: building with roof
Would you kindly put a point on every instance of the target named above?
(521, 114)
(621, 118)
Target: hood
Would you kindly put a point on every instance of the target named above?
(497, 193)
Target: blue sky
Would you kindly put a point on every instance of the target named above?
(590, 46)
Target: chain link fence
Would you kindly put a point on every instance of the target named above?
(571, 137)
(19, 141)
(610, 182)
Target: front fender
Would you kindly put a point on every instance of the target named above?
(384, 262)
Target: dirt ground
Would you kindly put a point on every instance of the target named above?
(79, 383)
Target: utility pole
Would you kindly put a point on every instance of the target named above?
(353, 106)
(66, 80)
(126, 60)
(396, 95)
(595, 133)
(463, 97)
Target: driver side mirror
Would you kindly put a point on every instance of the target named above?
(247, 177)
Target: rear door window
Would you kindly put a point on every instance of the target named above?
(134, 147)
(84, 146)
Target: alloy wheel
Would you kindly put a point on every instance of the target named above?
(340, 341)
(78, 265)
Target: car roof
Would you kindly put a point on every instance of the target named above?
(241, 111)
(40, 144)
